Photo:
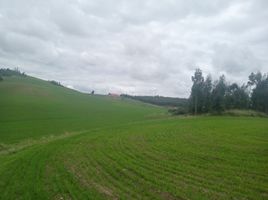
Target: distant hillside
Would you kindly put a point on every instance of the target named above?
(160, 100)
(32, 108)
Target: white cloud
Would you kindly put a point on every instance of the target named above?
(139, 47)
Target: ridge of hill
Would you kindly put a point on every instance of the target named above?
(32, 108)
(160, 100)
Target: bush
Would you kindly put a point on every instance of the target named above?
(56, 83)
(11, 72)
(178, 111)
(1, 78)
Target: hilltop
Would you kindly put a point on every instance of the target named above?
(33, 108)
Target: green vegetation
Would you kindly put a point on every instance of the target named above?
(190, 158)
(10, 72)
(56, 83)
(216, 98)
(32, 108)
(56, 143)
(244, 113)
(161, 101)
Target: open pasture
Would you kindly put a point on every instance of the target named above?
(57, 143)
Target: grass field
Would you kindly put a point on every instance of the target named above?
(32, 108)
(60, 144)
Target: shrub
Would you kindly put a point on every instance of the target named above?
(178, 111)
(11, 72)
(56, 83)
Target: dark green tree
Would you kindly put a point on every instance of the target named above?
(207, 89)
(259, 96)
(218, 94)
(196, 97)
(236, 97)
(255, 79)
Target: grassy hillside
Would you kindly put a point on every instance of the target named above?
(31, 108)
(117, 149)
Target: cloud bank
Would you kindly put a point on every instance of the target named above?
(141, 47)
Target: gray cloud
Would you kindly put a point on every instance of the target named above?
(234, 59)
(137, 47)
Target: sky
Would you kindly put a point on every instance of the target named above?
(138, 47)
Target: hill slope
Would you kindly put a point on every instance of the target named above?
(31, 108)
(122, 149)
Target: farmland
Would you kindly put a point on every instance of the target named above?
(57, 143)
(32, 108)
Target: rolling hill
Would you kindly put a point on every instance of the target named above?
(32, 108)
(57, 143)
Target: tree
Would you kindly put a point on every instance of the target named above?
(259, 96)
(10, 72)
(207, 88)
(218, 95)
(196, 92)
(56, 83)
(236, 97)
(92, 92)
(255, 79)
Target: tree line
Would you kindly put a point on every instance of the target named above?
(10, 72)
(16, 72)
(218, 96)
(159, 100)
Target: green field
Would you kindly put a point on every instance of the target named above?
(56, 143)
(31, 108)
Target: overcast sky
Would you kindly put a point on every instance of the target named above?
(141, 47)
